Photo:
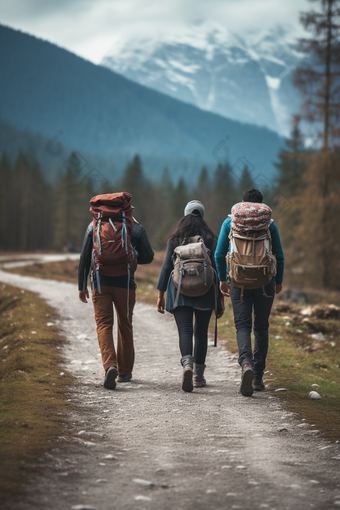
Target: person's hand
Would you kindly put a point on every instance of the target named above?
(161, 304)
(221, 312)
(83, 294)
(225, 288)
(278, 288)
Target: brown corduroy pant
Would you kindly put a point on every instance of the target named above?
(103, 309)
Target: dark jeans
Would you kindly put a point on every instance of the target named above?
(253, 299)
(184, 320)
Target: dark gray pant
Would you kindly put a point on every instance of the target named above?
(253, 299)
(184, 320)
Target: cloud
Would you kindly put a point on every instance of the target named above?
(90, 28)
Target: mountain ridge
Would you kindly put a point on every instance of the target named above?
(47, 89)
(244, 78)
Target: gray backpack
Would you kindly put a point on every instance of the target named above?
(193, 274)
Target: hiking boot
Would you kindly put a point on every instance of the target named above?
(124, 378)
(247, 380)
(110, 378)
(199, 380)
(258, 384)
(187, 364)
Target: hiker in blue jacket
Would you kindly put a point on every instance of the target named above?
(253, 300)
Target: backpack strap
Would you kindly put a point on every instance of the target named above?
(181, 271)
(215, 340)
(95, 275)
(265, 293)
(98, 233)
(216, 299)
(98, 280)
(112, 225)
(125, 233)
(128, 295)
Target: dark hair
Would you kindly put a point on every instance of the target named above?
(192, 225)
(252, 195)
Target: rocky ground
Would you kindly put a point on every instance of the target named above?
(148, 445)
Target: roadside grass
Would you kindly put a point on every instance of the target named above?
(147, 279)
(33, 393)
(294, 362)
(66, 270)
(298, 361)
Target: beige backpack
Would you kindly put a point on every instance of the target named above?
(193, 274)
(251, 263)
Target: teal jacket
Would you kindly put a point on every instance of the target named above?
(223, 248)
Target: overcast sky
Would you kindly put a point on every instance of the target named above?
(91, 28)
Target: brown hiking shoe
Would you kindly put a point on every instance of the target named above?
(187, 384)
(247, 380)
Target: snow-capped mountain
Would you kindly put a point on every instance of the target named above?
(244, 78)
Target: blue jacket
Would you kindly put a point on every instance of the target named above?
(223, 248)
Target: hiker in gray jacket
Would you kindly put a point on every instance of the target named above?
(184, 307)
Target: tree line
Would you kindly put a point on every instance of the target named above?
(36, 215)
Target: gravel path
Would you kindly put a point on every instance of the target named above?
(148, 445)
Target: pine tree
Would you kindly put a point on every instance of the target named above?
(318, 80)
(318, 77)
(291, 165)
(292, 162)
(203, 187)
(203, 192)
(5, 206)
(245, 182)
(31, 203)
(135, 183)
(41, 210)
(179, 199)
(167, 185)
(70, 218)
(315, 242)
(164, 193)
(224, 196)
(154, 208)
(175, 211)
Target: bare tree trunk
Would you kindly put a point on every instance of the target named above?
(325, 192)
(326, 255)
(328, 73)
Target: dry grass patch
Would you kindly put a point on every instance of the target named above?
(305, 351)
(32, 395)
(64, 271)
(296, 361)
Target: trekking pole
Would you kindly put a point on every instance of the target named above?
(215, 341)
(216, 298)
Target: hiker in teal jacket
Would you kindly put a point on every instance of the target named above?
(253, 364)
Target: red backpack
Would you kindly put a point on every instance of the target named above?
(113, 253)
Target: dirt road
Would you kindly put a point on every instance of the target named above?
(148, 445)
